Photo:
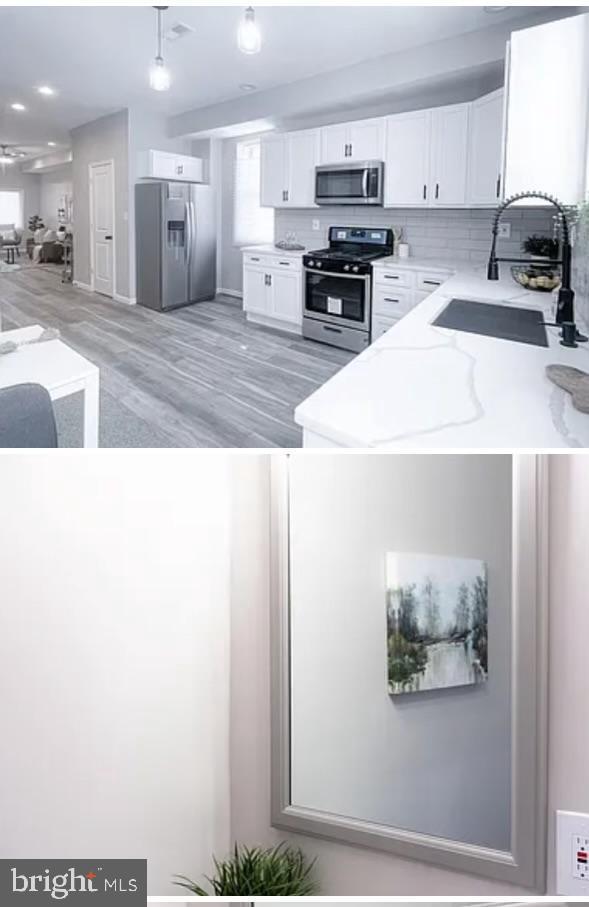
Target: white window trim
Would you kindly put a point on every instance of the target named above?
(267, 214)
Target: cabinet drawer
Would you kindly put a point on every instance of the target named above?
(391, 302)
(393, 277)
(286, 264)
(257, 261)
(380, 325)
(428, 281)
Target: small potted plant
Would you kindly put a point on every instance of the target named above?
(541, 248)
(35, 223)
(280, 871)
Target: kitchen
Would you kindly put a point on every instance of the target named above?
(444, 170)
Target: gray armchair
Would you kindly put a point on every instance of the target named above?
(10, 240)
(26, 417)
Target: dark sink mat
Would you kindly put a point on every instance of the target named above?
(502, 322)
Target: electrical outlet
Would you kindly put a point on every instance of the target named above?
(505, 230)
(316, 224)
(572, 853)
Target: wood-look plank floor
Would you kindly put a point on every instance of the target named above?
(202, 374)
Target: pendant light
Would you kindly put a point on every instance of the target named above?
(249, 37)
(159, 74)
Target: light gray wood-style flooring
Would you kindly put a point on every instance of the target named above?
(201, 375)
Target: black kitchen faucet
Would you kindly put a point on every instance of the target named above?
(565, 310)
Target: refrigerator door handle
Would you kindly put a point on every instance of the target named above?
(187, 231)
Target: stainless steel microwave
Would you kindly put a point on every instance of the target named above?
(357, 183)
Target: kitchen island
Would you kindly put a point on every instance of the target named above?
(420, 385)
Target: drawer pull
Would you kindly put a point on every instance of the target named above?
(433, 283)
(390, 299)
(392, 276)
(254, 259)
(333, 330)
(287, 263)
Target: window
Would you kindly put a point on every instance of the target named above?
(11, 207)
(251, 223)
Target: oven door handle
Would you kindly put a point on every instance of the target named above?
(365, 176)
(364, 277)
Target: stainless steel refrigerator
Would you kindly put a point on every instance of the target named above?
(175, 244)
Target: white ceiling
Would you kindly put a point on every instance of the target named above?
(97, 57)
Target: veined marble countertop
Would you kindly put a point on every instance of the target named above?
(425, 386)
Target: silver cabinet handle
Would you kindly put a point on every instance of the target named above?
(437, 190)
(254, 259)
(389, 299)
(424, 191)
(287, 263)
(392, 276)
(432, 283)
(498, 187)
(326, 327)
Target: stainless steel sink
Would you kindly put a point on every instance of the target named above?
(491, 320)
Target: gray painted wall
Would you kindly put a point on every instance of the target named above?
(101, 140)
(29, 184)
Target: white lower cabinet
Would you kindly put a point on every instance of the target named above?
(396, 290)
(273, 290)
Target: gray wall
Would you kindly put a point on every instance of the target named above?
(14, 178)
(448, 234)
(101, 140)
(438, 763)
(344, 870)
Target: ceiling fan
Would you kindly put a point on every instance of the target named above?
(9, 154)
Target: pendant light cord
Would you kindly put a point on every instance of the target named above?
(159, 10)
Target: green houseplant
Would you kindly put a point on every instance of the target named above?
(540, 246)
(275, 871)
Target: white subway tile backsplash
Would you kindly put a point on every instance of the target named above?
(446, 233)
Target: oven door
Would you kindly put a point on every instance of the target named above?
(349, 184)
(338, 299)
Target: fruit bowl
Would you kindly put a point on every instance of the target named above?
(535, 276)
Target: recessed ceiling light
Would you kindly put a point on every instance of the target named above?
(247, 86)
(45, 89)
(17, 106)
(51, 144)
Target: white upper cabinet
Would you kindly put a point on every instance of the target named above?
(547, 109)
(407, 159)
(165, 165)
(449, 155)
(302, 151)
(273, 176)
(287, 167)
(362, 140)
(485, 150)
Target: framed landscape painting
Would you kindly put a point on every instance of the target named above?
(437, 616)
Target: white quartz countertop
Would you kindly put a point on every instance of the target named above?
(425, 386)
(270, 249)
(417, 264)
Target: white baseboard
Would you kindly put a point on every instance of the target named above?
(235, 293)
(82, 286)
(127, 300)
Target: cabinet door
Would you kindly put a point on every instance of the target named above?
(548, 109)
(302, 150)
(189, 168)
(449, 161)
(484, 149)
(286, 296)
(366, 139)
(163, 165)
(256, 296)
(272, 171)
(334, 144)
(406, 169)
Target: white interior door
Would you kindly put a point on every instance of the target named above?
(102, 227)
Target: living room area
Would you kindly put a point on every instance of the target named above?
(36, 212)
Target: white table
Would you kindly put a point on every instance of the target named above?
(56, 367)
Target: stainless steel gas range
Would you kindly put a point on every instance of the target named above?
(338, 286)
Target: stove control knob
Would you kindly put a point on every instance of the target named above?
(355, 269)
(318, 264)
(346, 267)
(311, 263)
